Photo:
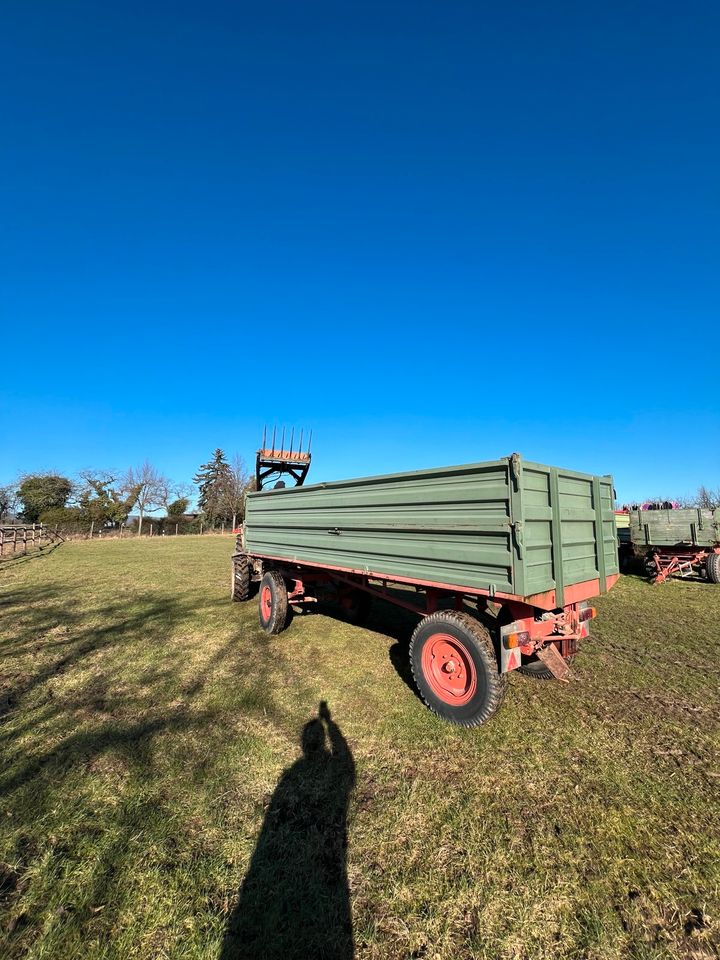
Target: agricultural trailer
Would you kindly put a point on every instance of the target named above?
(499, 560)
(677, 542)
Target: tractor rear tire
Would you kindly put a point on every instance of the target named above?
(712, 567)
(273, 608)
(538, 671)
(455, 667)
(240, 579)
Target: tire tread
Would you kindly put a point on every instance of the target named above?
(240, 583)
(280, 607)
(484, 645)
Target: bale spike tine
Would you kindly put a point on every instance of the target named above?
(301, 436)
(292, 437)
(282, 443)
(310, 442)
(264, 443)
(273, 443)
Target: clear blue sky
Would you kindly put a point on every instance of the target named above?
(433, 232)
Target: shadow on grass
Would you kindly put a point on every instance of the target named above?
(294, 901)
(385, 618)
(125, 679)
(10, 562)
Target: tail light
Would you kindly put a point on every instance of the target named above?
(587, 613)
(513, 640)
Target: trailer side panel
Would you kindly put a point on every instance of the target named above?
(504, 526)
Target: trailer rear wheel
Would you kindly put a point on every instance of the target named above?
(712, 567)
(455, 668)
(537, 669)
(273, 602)
(240, 579)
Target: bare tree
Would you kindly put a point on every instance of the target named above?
(708, 499)
(176, 491)
(153, 489)
(239, 483)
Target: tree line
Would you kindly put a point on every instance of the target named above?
(106, 499)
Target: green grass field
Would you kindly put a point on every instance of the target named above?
(155, 800)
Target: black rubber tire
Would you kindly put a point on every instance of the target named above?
(277, 619)
(356, 606)
(649, 566)
(712, 568)
(240, 579)
(491, 685)
(538, 671)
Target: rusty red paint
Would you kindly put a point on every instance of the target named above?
(266, 603)
(449, 669)
(679, 562)
(284, 455)
(545, 601)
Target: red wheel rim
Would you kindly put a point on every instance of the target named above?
(449, 670)
(265, 603)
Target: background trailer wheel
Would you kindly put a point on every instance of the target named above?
(240, 579)
(273, 602)
(712, 568)
(455, 668)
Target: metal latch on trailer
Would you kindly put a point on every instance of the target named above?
(517, 529)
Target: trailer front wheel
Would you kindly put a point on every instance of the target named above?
(273, 602)
(455, 668)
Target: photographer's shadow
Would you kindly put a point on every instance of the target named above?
(294, 901)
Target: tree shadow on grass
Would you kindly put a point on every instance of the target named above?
(294, 903)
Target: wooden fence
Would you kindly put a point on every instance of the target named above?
(20, 537)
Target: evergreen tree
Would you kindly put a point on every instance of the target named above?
(214, 479)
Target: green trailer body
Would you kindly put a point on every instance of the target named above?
(506, 527)
(674, 528)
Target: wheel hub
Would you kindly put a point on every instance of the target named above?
(266, 603)
(449, 669)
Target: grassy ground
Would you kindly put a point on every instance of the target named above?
(155, 800)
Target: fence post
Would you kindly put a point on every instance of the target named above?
(2, 542)
(201, 526)
(176, 528)
(24, 540)
(92, 527)
(222, 529)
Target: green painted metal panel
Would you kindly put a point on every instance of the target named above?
(670, 528)
(493, 526)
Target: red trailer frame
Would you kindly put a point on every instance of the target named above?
(525, 629)
(680, 561)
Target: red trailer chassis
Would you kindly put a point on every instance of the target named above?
(681, 561)
(526, 634)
